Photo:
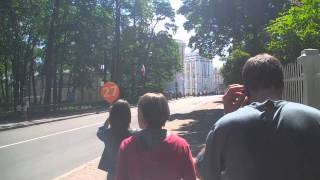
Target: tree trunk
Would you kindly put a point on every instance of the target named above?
(49, 61)
(55, 87)
(133, 64)
(24, 75)
(82, 94)
(116, 47)
(29, 83)
(133, 81)
(105, 66)
(6, 82)
(69, 86)
(60, 83)
(16, 81)
(41, 89)
(2, 91)
(33, 81)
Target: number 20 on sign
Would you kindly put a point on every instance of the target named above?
(109, 92)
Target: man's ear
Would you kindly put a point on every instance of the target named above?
(282, 89)
(141, 121)
(246, 91)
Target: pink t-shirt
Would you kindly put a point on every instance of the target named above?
(169, 160)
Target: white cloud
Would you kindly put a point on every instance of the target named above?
(182, 34)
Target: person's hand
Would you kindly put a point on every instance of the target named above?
(233, 98)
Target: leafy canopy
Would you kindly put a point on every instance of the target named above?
(221, 24)
(295, 30)
(232, 69)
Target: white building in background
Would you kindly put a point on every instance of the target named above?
(198, 75)
(177, 85)
(217, 81)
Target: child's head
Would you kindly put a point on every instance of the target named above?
(153, 110)
(120, 116)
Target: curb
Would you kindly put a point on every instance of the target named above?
(76, 169)
(38, 122)
(10, 126)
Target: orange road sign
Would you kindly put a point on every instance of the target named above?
(109, 91)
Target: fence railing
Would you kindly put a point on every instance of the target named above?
(302, 79)
(293, 82)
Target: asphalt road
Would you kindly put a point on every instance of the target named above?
(49, 150)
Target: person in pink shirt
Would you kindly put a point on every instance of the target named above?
(153, 153)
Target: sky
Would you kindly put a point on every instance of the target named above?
(184, 35)
(181, 34)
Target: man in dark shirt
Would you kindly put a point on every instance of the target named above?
(270, 139)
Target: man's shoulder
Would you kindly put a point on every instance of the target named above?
(301, 108)
(176, 139)
(299, 114)
(241, 115)
(127, 142)
(252, 113)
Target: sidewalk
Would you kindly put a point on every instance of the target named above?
(192, 126)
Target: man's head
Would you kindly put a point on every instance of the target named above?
(263, 73)
(120, 115)
(153, 110)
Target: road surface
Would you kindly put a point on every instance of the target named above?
(49, 150)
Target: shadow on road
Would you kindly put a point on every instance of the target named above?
(196, 131)
(218, 102)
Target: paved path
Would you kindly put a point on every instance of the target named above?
(48, 150)
(193, 126)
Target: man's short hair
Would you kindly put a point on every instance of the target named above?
(262, 71)
(155, 109)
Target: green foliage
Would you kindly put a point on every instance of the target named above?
(79, 36)
(219, 25)
(295, 30)
(163, 63)
(231, 70)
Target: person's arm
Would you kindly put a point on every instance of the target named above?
(234, 98)
(101, 133)
(121, 165)
(189, 166)
(199, 162)
(209, 162)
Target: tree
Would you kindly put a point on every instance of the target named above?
(49, 60)
(295, 30)
(232, 69)
(164, 62)
(221, 25)
(137, 41)
(21, 29)
(58, 45)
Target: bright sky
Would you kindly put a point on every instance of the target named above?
(181, 34)
(184, 35)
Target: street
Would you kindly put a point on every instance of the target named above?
(48, 150)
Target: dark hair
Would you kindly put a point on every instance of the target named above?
(120, 115)
(262, 71)
(155, 109)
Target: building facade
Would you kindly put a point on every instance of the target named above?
(198, 75)
(177, 85)
(218, 85)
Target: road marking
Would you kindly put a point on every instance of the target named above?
(49, 135)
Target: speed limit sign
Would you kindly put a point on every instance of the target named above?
(109, 91)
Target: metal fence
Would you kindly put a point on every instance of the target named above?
(293, 82)
(302, 79)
